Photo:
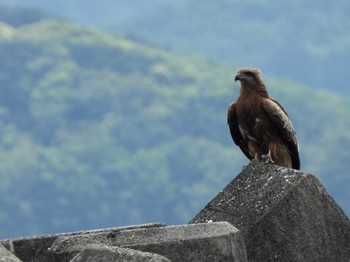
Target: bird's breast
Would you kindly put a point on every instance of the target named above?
(253, 126)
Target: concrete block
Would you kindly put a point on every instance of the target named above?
(102, 253)
(201, 242)
(36, 248)
(284, 215)
(7, 256)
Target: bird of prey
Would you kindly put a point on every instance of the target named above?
(259, 125)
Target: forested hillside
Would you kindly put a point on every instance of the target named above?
(100, 131)
(306, 41)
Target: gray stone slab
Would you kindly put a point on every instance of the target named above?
(201, 242)
(102, 253)
(36, 248)
(284, 215)
(7, 256)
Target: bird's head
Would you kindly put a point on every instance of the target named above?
(248, 75)
(251, 81)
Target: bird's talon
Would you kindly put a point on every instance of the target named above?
(267, 158)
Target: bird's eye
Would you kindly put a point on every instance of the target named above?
(248, 73)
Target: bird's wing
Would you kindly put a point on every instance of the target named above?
(234, 130)
(284, 128)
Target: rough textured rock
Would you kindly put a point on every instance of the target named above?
(201, 242)
(7, 256)
(284, 215)
(102, 253)
(36, 248)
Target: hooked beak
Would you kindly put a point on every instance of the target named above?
(238, 77)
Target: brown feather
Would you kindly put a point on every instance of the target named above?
(259, 125)
(234, 130)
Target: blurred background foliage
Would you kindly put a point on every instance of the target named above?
(100, 130)
(306, 42)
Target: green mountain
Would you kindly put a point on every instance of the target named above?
(98, 131)
(304, 41)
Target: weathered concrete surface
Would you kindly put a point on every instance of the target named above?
(284, 215)
(201, 242)
(103, 253)
(36, 248)
(7, 256)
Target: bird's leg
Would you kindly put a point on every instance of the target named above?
(267, 158)
(256, 156)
